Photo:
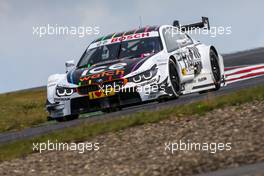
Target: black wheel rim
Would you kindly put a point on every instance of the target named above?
(215, 68)
(174, 78)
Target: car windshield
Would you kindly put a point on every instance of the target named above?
(124, 49)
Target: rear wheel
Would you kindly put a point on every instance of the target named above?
(215, 70)
(174, 78)
(163, 99)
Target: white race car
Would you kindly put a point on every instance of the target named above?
(137, 66)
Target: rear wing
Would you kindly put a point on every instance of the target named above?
(204, 24)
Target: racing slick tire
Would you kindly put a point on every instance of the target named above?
(174, 78)
(67, 118)
(215, 70)
(112, 109)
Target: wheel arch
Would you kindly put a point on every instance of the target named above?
(213, 48)
(173, 58)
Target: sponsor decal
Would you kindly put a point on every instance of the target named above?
(61, 99)
(124, 38)
(101, 94)
(103, 68)
(202, 79)
(107, 74)
(194, 51)
(130, 37)
(104, 71)
(191, 59)
(84, 72)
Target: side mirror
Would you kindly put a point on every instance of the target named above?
(69, 65)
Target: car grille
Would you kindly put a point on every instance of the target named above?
(84, 90)
(84, 104)
(112, 84)
(79, 104)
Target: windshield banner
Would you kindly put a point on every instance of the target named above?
(125, 38)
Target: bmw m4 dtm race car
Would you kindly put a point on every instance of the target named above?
(137, 66)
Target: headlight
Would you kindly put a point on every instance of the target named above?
(64, 91)
(146, 75)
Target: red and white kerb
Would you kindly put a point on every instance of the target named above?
(239, 73)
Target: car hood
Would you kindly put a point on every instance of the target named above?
(105, 71)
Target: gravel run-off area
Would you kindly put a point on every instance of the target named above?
(147, 150)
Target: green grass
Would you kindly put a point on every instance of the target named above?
(19, 110)
(86, 131)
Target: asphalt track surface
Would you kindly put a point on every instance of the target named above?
(47, 128)
(250, 57)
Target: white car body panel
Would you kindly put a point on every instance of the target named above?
(61, 106)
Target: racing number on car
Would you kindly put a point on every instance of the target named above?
(194, 52)
(192, 58)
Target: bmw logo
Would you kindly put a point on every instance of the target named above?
(99, 80)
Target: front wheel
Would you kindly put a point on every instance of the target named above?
(67, 118)
(112, 109)
(174, 78)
